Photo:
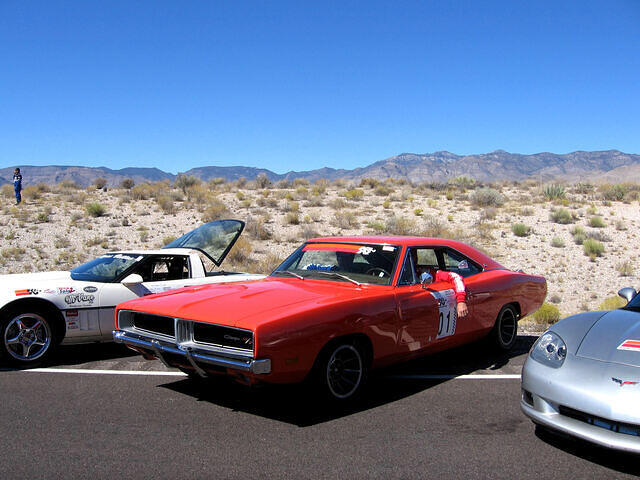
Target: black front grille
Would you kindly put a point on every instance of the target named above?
(154, 323)
(618, 427)
(224, 336)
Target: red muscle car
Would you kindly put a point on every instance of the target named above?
(333, 310)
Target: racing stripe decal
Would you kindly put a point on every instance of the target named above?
(632, 345)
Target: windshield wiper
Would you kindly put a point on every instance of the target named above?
(338, 275)
(290, 273)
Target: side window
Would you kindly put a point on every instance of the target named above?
(163, 268)
(418, 261)
(458, 263)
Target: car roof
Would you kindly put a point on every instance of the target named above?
(402, 240)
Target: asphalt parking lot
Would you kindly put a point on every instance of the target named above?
(100, 411)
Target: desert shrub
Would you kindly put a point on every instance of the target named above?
(32, 192)
(369, 182)
(383, 190)
(596, 222)
(625, 268)
(579, 238)
(526, 211)
(141, 192)
(288, 206)
(434, 227)
(168, 239)
(266, 264)
(7, 190)
(68, 185)
(488, 214)
(553, 191)
(557, 242)
(353, 194)
(487, 197)
(592, 248)
(400, 226)
(42, 217)
(166, 204)
(338, 204)
(583, 188)
(386, 204)
(215, 211)
(292, 218)
(598, 235)
(319, 187)
(93, 241)
(183, 182)
(100, 183)
(240, 252)
(462, 182)
(13, 253)
(262, 181)
(611, 303)
(614, 192)
(345, 219)
(376, 226)
(257, 229)
(127, 183)
(198, 194)
(314, 202)
(418, 212)
(95, 209)
(520, 230)
(546, 314)
(300, 182)
(561, 215)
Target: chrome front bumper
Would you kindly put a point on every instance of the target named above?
(192, 355)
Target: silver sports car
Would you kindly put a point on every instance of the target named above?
(582, 376)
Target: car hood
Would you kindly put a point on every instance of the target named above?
(247, 304)
(605, 340)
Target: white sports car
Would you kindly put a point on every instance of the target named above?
(38, 311)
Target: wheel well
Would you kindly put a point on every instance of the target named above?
(516, 306)
(56, 318)
(359, 338)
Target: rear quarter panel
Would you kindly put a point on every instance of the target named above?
(489, 291)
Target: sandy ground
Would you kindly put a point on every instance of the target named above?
(52, 230)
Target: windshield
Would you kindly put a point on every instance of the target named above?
(342, 262)
(214, 239)
(106, 268)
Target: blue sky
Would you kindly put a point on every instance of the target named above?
(302, 85)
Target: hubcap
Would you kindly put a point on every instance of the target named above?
(344, 371)
(508, 327)
(27, 337)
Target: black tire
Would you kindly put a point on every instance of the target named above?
(505, 330)
(27, 337)
(341, 371)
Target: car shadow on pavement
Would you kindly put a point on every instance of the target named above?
(300, 405)
(74, 355)
(622, 462)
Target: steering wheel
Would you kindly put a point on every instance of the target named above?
(374, 270)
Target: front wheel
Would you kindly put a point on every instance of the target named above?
(27, 338)
(342, 371)
(505, 330)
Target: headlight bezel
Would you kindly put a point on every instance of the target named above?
(549, 350)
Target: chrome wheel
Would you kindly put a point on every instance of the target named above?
(27, 337)
(344, 371)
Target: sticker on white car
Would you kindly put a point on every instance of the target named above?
(631, 345)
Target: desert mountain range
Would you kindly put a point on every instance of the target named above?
(607, 166)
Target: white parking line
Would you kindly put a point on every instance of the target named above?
(107, 372)
(459, 377)
(180, 374)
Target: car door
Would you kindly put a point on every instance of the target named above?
(418, 308)
(159, 273)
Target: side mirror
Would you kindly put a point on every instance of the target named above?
(426, 279)
(131, 280)
(627, 293)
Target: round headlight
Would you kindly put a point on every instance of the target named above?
(550, 350)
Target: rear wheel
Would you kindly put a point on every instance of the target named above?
(341, 371)
(505, 330)
(27, 337)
